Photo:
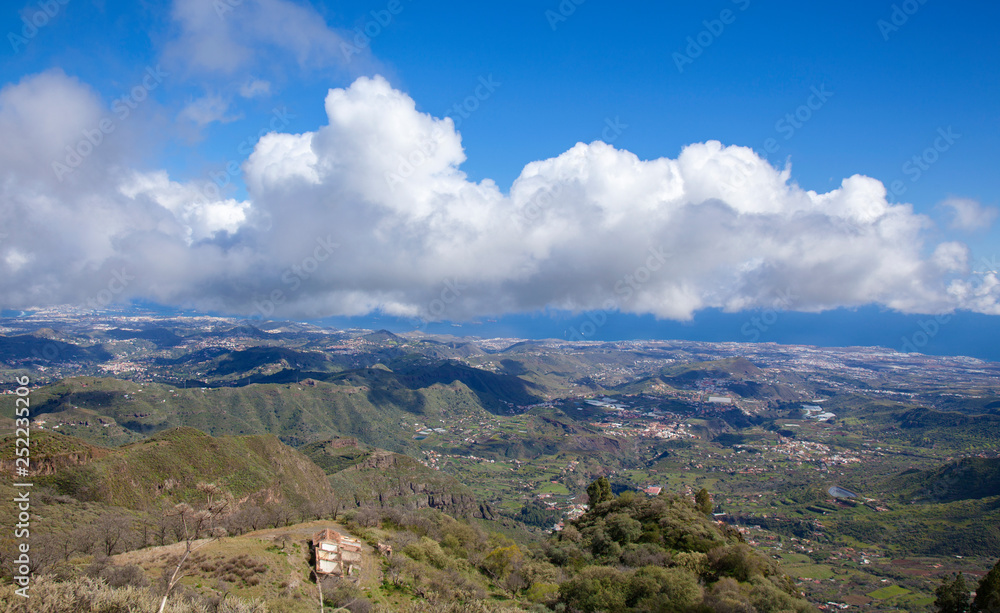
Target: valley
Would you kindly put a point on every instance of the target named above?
(508, 434)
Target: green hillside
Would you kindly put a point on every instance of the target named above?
(968, 478)
(741, 368)
(362, 476)
(40, 348)
(88, 501)
(335, 455)
(370, 405)
(926, 428)
(628, 553)
(740, 375)
(271, 358)
(172, 463)
(50, 452)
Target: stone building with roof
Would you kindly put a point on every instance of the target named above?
(336, 554)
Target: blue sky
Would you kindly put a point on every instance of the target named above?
(901, 93)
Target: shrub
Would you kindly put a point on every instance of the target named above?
(595, 588)
(339, 592)
(766, 596)
(501, 562)
(623, 528)
(543, 593)
(738, 561)
(427, 551)
(692, 561)
(665, 589)
(645, 554)
(95, 596)
(123, 576)
(727, 597)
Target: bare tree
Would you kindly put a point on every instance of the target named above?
(111, 531)
(144, 529)
(45, 552)
(161, 529)
(194, 523)
(395, 567)
(333, 507)
(278, 515)
(175, 525)
(369, 517)
(80, 540)
(247, 518)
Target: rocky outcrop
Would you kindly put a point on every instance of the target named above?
(50, 453)
(50, 464)
(390, 479)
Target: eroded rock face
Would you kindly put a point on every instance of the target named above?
(343, 443)
(377, 460)
(390, 479)
(52, 463)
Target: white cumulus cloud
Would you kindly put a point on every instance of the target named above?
(373, 212)
(970, 215)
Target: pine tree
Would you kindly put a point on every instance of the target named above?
(703, 500)
(599, 491)
(952, 596)
(988, 592)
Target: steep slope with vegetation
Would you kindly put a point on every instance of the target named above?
(370, 405)
(365, 477)
(663, 554)
(627, 553)
(172, 463)
(968, 478)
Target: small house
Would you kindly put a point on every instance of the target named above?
(336, 554)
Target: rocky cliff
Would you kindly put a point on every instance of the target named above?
(385, 479)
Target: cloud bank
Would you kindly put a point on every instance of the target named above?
(372, 212)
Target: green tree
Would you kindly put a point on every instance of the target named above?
(738, 561)
(501, 562)
(664, 589)
(703, 500)
(988, 592)
(599, 491)
(952, 596)
(623, 528)
(596, 588)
